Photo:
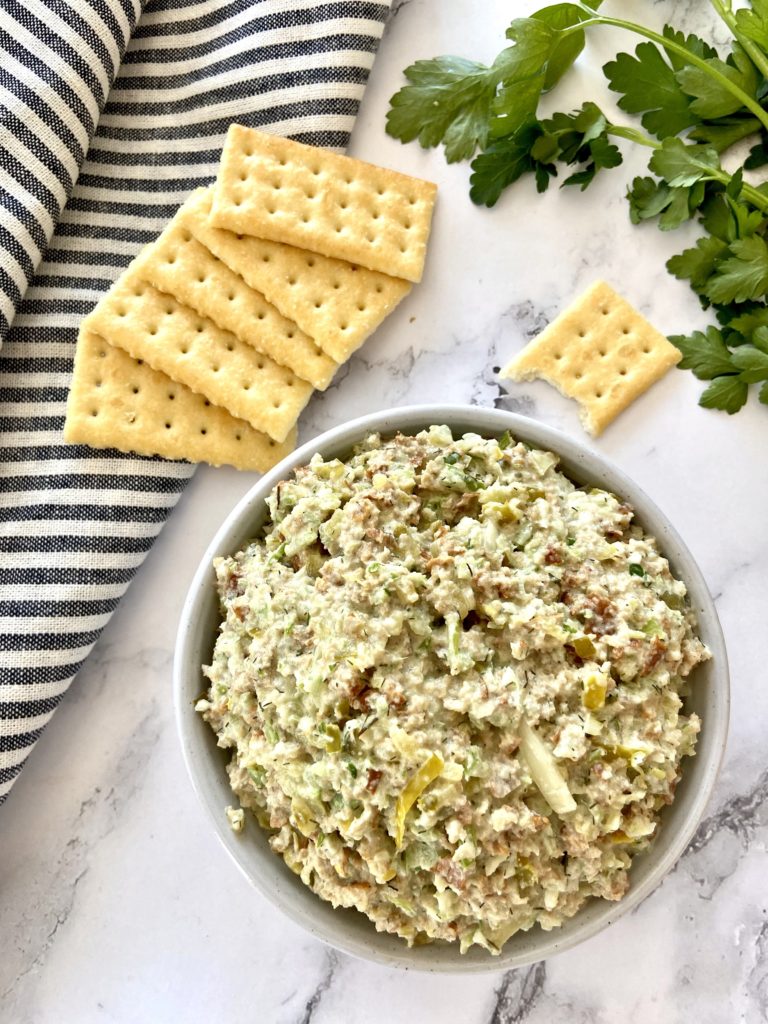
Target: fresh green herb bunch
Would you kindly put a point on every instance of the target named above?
(693, 105)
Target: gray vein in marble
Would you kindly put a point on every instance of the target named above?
(331, 967)
(397, 6)
(739, 816)
(517, 994)
(757, 979)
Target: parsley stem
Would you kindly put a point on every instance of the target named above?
(674, 47)
(752, 50)
(622, 131)
(748, 192)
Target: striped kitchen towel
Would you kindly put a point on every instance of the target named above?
(111, 112)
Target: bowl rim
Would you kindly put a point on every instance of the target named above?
(489, 421)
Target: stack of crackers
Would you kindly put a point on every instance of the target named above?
(209, 345)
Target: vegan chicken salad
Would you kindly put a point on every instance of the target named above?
(452, 684)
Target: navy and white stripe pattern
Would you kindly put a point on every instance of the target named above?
(110, 115)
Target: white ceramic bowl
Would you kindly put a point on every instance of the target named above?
(349, 930)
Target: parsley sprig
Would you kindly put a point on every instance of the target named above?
(693, 104)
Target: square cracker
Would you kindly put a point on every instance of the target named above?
(284, 191)
(118, 402)
(337, 303)
(601, 352)
(177, 341)
(180, 266)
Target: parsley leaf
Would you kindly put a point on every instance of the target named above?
(752, 362)
(726, 132)
(673, 206)
(754, 24)
(682, 165)
(710, 98)
(704, 353)
(504, 161)
(565, 51)
(743, 275)
(752, 324)
(649, 87)
(694, 44)
(758, 154)
(449, 102)
(760, 339)
(698, 264)
(726, 393)
(581, 138)
(763, 394)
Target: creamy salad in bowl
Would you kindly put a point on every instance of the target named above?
(452, 682)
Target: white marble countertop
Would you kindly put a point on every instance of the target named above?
(117, 901)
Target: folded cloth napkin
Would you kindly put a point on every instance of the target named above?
(111, 112)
